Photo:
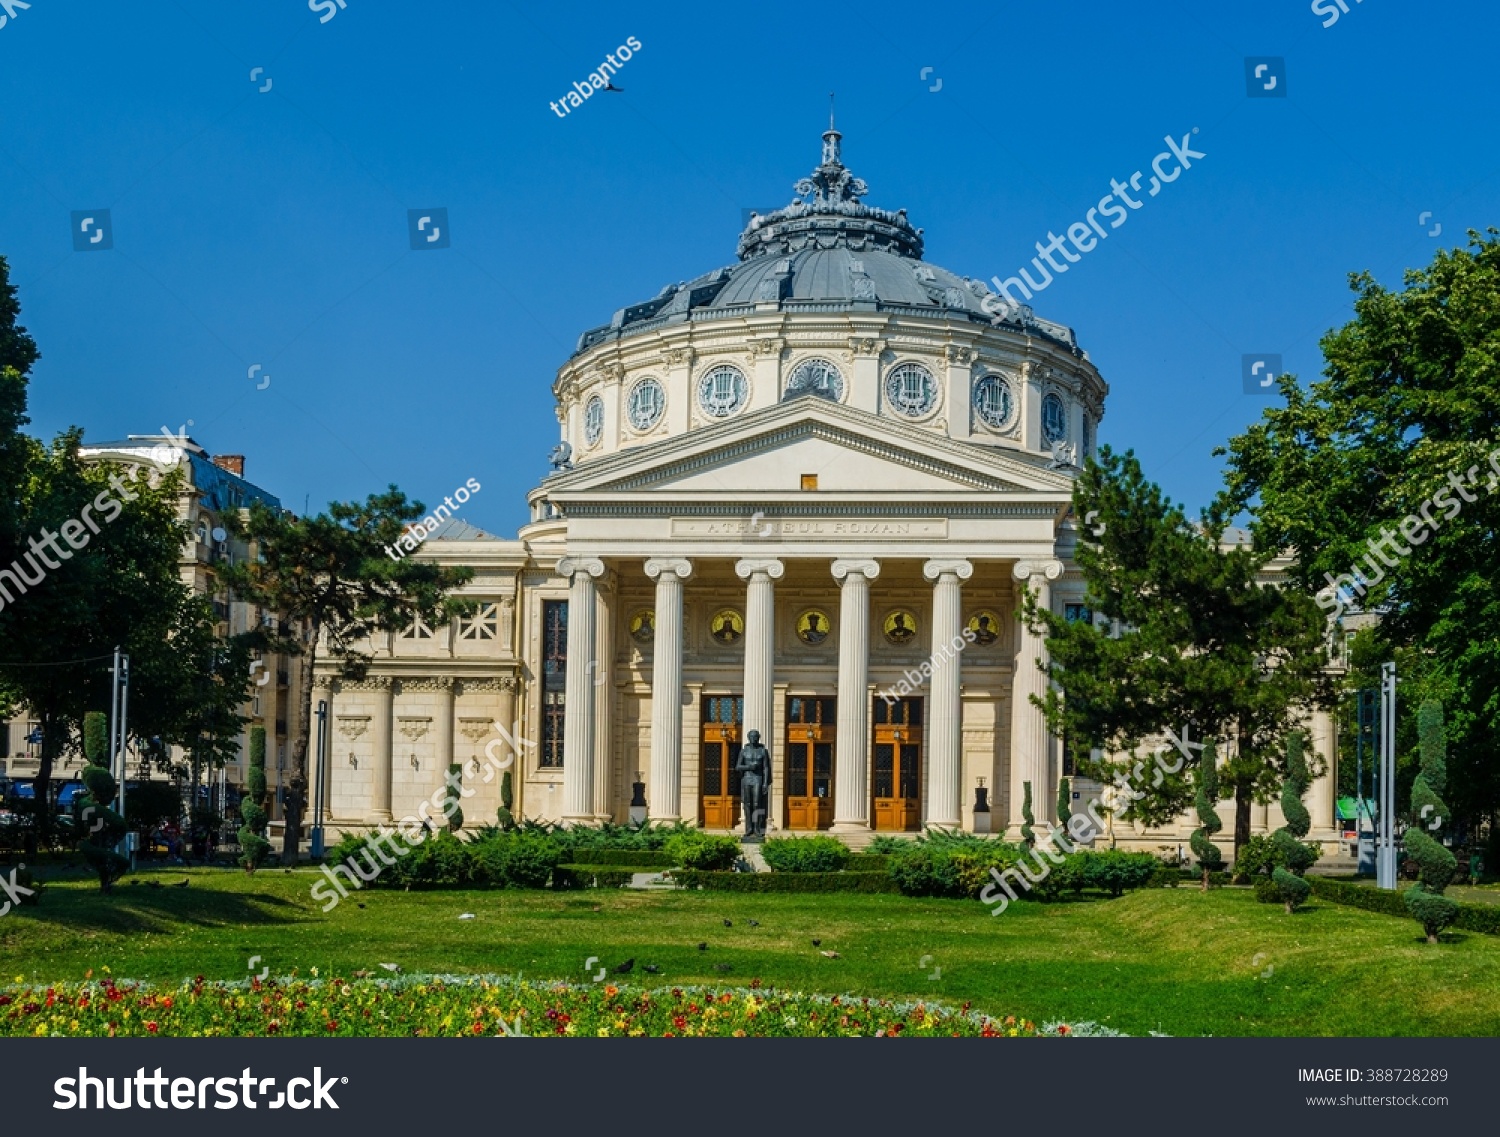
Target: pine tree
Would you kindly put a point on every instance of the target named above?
(1207, 799)
(1293, 855)
(1437, 865)
(254, 847)
(101, 828)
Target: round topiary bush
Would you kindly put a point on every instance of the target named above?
(698, 850)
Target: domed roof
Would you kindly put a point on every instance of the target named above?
(827, 250)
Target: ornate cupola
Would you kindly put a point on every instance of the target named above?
(827, 214)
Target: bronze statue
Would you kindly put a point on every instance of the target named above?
(754, 769)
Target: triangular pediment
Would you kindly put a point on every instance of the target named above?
(849, 451)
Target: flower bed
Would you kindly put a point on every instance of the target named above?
(477, 1005)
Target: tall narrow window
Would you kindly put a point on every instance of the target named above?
(554, 680)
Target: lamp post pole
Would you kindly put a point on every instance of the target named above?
(1385, 862)
(318, 789)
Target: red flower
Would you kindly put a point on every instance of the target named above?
(331, 1026)
(679, 1022)
(4, 1000)
(1062, 1028)
(151, 1027)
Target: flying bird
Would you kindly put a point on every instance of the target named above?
(624, 968)
(361, 905)
(817, 943)
(612, 87)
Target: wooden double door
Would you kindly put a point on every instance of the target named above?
(723, 716)
(811, 727)
(897, 770)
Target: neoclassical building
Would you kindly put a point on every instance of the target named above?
(800, 494)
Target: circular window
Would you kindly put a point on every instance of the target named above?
(645, 405)
(993, 402)
(816, 377)
(723, 391)
(911, 390)
(1054, 420)
(593, 420)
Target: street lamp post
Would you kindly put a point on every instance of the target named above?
(318, 787)
(1385, 859)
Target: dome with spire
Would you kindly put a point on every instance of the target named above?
(825, 251)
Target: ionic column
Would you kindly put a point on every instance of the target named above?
(380, 746)
(760, 646)
(1029, 740)
(664, 778)
(604, 688)
(1320, 795)
(578, 720)
(851, 790)
(942, 799)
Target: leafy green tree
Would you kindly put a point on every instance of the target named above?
(100, 828)
(254, 848)
(1403, 424)
(1209, 857)
(331, 577)
(1437, 865)
(1293, 856)
(1186, 638)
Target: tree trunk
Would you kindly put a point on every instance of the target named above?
(1205, 880)
(1288, 909)
(1242, 802)
(294, 799)
(1432, 939)
(43, 781)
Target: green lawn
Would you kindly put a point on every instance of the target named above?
(1173, 960)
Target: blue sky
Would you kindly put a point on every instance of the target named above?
(270, 227)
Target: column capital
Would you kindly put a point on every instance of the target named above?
(932, 570)
(570, 566)
(867, 569)
(676, 566)
(768, 565)
(1024, 570)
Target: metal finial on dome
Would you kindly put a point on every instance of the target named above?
(830, 110)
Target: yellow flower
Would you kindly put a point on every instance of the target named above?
(603, 1032)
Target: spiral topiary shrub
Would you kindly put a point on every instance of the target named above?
(101, 829)
(453, 798)
(507, 803)
(254, 848)
(1064, 804)
(1292, 856)
(1206, 802)
(1028, 834)
(1435, 864)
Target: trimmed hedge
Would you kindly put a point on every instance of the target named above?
(868, 862)
(785, 881)
(640, 859)
(567, 877)
(1483, 918)
(805, 854)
